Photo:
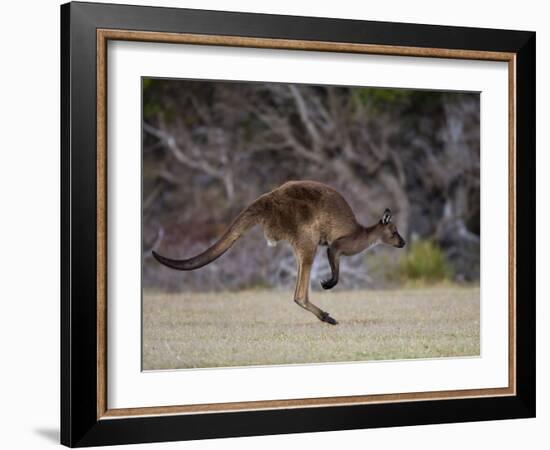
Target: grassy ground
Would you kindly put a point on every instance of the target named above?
(266, 327)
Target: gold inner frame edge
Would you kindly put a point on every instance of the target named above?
(103, 36)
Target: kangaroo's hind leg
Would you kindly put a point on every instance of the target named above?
(305, 258)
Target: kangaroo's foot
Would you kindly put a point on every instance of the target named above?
(323, 316)
(329, 284)
(326, 318)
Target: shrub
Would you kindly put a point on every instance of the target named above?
(424, 262)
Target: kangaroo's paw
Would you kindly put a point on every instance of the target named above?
(326, 318)
(328, 284)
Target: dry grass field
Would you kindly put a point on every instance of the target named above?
(190, 330)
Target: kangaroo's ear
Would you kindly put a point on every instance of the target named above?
(386, 218)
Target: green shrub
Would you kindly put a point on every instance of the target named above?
(424, 262)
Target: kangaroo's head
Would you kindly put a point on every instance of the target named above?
(388, 231)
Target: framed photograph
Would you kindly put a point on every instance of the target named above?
(276, 224)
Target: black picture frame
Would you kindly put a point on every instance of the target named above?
(80, 425)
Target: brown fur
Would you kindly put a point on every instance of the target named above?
(306, 214)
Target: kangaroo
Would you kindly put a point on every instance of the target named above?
(306, 214)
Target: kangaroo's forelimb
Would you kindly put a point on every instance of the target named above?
(334, 260)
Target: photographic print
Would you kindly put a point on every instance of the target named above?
(299, 224)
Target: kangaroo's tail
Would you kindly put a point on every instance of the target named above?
(244, 221)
